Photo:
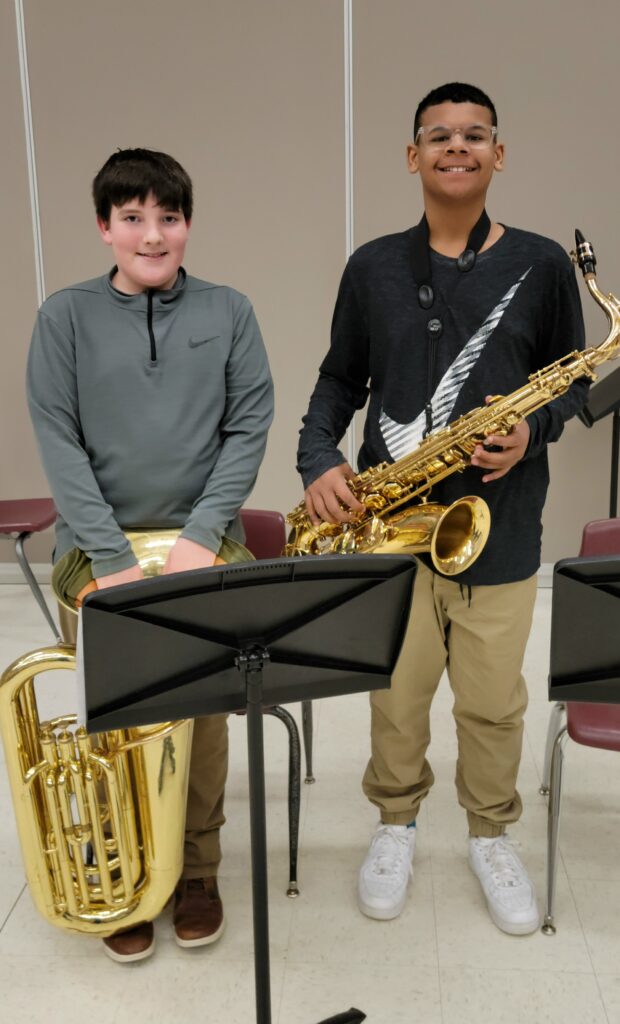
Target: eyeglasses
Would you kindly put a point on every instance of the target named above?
(475, 136)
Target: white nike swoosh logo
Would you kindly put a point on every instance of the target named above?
(402, 438)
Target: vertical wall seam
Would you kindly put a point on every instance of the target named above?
(348, 171)
(30, 154)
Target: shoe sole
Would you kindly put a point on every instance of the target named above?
(509, 927)
(130, 958)
(513, 929)
(204, 940)
(381, 913)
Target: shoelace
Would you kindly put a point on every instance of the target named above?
(388, 849)
(500, 856)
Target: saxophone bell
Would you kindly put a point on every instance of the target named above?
(453, 536)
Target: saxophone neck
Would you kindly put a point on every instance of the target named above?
(584, 256)
(611, 305)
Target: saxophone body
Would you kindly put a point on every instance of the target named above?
(454, 536)
(100, 817)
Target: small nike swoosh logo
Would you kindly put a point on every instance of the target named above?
(195, 342)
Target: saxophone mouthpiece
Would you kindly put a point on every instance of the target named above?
(584, 254)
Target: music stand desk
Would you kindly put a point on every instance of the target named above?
(234, 638)
(585, 630)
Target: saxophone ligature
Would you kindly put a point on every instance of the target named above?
(454, 536)
(100, 818)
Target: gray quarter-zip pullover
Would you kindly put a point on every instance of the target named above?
(150, 410)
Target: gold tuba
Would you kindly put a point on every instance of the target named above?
(100, 818)
(454, 536)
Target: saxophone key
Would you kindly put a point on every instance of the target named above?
(373, 533)
(375, 501)
(392, 491)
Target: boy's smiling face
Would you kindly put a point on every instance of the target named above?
(455, 170)
(148, 243)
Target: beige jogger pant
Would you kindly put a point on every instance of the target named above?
(479, 634)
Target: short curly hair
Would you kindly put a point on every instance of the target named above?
(453, 92)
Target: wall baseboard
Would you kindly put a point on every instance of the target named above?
(11, 573)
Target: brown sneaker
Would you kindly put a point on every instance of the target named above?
(133, 944)
(198, 914)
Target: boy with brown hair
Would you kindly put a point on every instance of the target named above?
(151, 399)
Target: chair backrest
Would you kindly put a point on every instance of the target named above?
(600, 537)
(26, 515)
(596, 725)
(265, 532)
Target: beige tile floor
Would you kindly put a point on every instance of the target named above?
(442, 962)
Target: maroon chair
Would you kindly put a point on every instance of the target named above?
(592, 725)
(19, 519)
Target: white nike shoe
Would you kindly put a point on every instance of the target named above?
(505, 883)
(386, 871)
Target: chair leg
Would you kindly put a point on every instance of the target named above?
(553, 825)
(556, 722)
(32, 583)
(306, 722)
(294, 793)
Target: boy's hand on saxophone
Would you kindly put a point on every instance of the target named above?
(513, 447)
(329, 499)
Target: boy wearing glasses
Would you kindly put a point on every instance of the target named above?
(429, 323)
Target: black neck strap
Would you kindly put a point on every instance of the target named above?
(421, 259)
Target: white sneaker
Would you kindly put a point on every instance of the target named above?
(505, 883)
(385, 874)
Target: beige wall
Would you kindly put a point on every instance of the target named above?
(249, 96)
(20, 473)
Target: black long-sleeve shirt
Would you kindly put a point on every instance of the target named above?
(515, 312)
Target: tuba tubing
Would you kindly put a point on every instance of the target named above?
(100, 818)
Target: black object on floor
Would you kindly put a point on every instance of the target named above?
(351, 1016)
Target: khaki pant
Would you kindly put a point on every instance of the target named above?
(208, 761)
(479, 635)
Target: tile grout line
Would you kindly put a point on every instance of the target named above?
(439, 985)
(583, 932)
(17, 899)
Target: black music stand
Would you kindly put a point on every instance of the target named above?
(234, 638)
(585, 630)
(604, 400)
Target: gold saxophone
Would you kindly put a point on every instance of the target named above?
(100, 818)
(454, 535)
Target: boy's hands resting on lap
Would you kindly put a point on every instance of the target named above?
(184, 555)
(187, 554)
(116, 579)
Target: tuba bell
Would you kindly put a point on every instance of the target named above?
(101, 817)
